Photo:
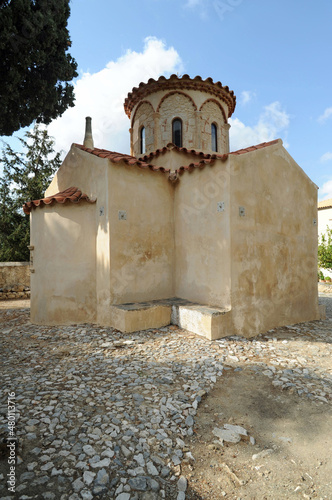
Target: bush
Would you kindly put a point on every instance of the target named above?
(325, 250)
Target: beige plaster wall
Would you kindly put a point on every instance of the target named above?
(142, 245)
(202, 235)
(274, 245)
(83, 170)
(90, 174)
(148, 239)
(63, 284)
(133, 257)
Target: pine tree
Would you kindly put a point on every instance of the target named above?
(35, 67)
(26, 176)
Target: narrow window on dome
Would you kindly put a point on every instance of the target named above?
(177, 132)
(142, 141)
(214, 141)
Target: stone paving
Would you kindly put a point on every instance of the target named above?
(100, 414)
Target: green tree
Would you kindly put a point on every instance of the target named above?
(325, 250)
(35, 67)
(26, 176)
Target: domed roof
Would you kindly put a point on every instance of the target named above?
(183, 83)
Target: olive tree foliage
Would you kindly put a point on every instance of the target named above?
(325, 250)
(35, 67)
(26, 176)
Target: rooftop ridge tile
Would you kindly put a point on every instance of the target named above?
(72, 194)
(115, 157)
(255, 147)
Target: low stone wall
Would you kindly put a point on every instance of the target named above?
(324, 288)
(15, 292)
(14, 280)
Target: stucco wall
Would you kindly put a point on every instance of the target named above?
(148, 239)
(63, 284)
(142, 245)
(83, 170)
(274, 245)
(202, 235)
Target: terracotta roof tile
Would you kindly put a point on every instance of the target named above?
(171, 146)
(117, 157)
(254, 148)
(72, 194)
(325, 204)
(193, 165)
(183, 83)
(143, 161)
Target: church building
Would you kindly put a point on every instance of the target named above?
(180, 231)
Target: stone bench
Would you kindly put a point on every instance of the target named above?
(210, 322)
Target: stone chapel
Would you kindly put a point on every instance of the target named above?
(180, 231)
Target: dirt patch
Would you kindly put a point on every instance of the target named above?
(293, 433)
(289, 434)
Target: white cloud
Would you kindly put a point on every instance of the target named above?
(101, 95)
(246, 96)
(326, 157)
(325, 191)
(272, 123)
(327, 113)
(198, 4)
(193, 3)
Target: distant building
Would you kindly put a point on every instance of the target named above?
(180, 231)
(325, 221)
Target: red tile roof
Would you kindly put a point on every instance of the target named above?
(72, 194)
(193, 165)
(117, 157)
(254, 148)
(171, 146)
(183, 83)
(143, 161)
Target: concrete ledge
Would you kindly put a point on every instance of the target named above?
(14, 264)
(132, 317)
(210, 322)
(202, 320)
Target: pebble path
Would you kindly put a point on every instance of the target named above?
(101, 414)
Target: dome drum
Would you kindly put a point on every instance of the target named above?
(190, 113)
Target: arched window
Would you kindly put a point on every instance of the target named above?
(177, 132)
(142, 141)
(214, 139)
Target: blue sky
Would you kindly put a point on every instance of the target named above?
(275, 55)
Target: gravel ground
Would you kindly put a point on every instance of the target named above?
(326, 300)
(101, 414)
